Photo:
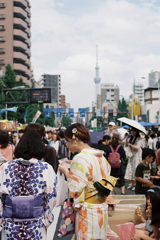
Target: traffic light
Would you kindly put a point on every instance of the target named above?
(101, 119)
(68, 123)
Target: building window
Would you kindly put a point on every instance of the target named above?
(112, 95)
(112, 90)
(2, 5)
(1, 15)
(108, 90)
(1, 49)
(1, 62)
(1, 27)
(1, 39)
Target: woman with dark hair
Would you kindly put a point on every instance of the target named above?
(155, 200)
(135, 143)
(87, 167)
(117, 172)
(6, 148)
(104, 143)
(27, 191)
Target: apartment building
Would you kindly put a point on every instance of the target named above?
(138, 89)
(53, 82)
(109, 93)
(15, 37)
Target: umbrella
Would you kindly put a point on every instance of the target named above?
(96, 136)
(122, 132)
(132, 123)
(125, 126)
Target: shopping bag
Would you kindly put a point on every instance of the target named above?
(67, 222)
(62, 189)
(129, 153)
(126, 231)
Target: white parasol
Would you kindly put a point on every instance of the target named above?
(132, 123)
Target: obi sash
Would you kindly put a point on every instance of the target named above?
(97, 192)
(23, 208)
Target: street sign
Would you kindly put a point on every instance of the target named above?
(82, 111)
(71, 112)
(99, 113)
(40, 95)
(59, 114)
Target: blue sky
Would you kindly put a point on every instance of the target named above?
(65, 34)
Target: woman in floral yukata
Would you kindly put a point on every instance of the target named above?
(27, 191)
(87, 167)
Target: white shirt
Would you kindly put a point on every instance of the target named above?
(55, 145)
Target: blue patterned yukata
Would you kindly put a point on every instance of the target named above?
(27, 178)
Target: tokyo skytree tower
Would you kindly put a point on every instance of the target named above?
(97, 79)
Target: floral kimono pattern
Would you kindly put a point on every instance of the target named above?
(91, 219)
(27, 178)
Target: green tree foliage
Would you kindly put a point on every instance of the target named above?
(66, 121)
(10, 77)
(122, 109)
(157, 116)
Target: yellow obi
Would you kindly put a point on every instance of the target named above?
(94, 196)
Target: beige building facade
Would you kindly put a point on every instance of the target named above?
(15, 37)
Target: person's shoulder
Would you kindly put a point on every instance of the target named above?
(50, 148)
(140, 165)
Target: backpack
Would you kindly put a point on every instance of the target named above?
(114, 158)
(62, 151)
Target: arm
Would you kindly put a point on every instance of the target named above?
(126, 142)
(141, 235)
(149, 183)
(135, 147)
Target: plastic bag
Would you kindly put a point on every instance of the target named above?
(126, 231)
(62, 189)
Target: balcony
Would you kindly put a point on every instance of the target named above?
(20, 3)
(21, 69)
(20, 46)
(19, 23)
(20, 57)
(20, 34)
(20, 13)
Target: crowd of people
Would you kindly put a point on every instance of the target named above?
(29, 161)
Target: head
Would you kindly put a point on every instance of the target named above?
(21, 132)
(106, 139)
(148, 155)
(155, 200)
(15, 137)
(76, 136)
(158, 134)
(135, 132)
(111, 205)
(50, 134)
(111, 126)
(61, 134)
(152, 135)
(4, 139)
(115, 139)
(35, 127)
(149, 194)
(55, 138)
(30, 146)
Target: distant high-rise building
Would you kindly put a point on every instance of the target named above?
(153, 78)
(63, 101)
(15, 36)
(138, 89)
(53, 82)
(97, 79)
(109, 93)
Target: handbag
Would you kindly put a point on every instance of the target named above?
(129, 153)
(114, 158)
(62, 189)
(67, 222)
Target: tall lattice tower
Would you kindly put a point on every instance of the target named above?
(97, 79)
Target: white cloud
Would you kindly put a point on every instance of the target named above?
(127, 35)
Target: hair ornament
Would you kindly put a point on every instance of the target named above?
(74, 131)
(114, 138)
(78, 134)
